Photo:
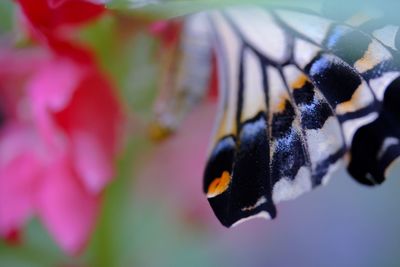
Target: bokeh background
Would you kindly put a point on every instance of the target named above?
(154, 213)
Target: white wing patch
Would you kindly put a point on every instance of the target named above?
(375, 54)
(351, 126)
(304, 52)
(313, 27)
(325, 141)
(387, 35)
(231, 48)
(253, 96)
(264, 31)
(361, 98)
(286, 189)
(259, 202)
(277, 92)
(388, 142)
(263, 215)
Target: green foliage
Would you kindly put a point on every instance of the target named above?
(174, 8)
(6, 15)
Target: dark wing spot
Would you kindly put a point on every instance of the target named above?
(392, 98)
(336, 80)
(250, 176)
(282, 121)
(315, 118)
(304, 95)
(346, 43)
(368, 161)
(288, 157)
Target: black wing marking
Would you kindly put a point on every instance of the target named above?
(291, 112)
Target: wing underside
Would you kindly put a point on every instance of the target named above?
(298, 92)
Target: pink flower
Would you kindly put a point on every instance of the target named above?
(59, 132)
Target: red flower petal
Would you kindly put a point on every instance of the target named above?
(67, 209)
(19, 171)
(93, 128)
(48, 16)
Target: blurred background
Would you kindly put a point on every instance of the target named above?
(153, 213)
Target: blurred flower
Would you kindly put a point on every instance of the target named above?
(169, 31)
(185, 106)
(187, 72)
(172, 171)
(50, 18)
(58, 136)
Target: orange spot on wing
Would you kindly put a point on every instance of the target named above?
(281, 105)
(370, 59)
(219, 185)
(300, 82)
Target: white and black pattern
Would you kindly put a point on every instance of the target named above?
(298, 92)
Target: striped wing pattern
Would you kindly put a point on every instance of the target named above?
(299, 93)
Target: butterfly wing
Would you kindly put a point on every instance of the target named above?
(298, 92)
(375, 146)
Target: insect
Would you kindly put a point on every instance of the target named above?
(299, 94)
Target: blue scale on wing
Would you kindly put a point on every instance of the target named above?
(313, 141)
(290, 160)
(349, 95)
(336, 81)
(314, 110)
(321, 129)
(288, 154)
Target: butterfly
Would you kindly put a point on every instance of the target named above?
(300, 94)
